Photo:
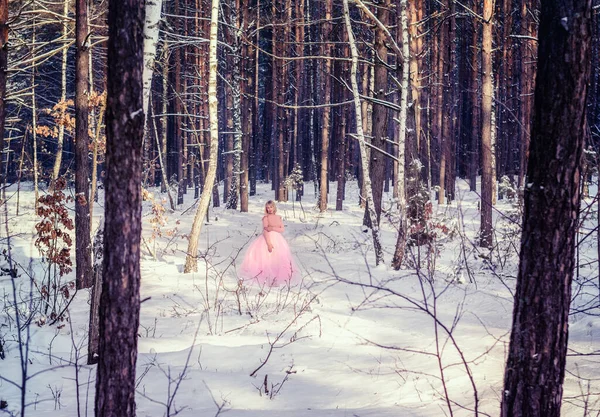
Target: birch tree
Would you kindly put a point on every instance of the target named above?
(151, 26)
(361, 139)
(191, 260)
(399, 185)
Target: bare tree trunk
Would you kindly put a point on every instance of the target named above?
(3, 77)
(366, 110)
(247, 112)
(120, 299)
(94, 327)
(380, 113)
(63, 95)
(325, 128)
(485, 234)
(228, 154)
(527, 81)
(177, 108)
(415, 81)
(151, 29)
(234, 192)
(33, 122)
(165, 186)
(400, 179)
(83, 255)
(94, 186)
(191, 260)
(361, 139)
(535, 367)
(254, 143)
(441, 113)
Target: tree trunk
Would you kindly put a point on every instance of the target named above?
(325, 127)
(247, 112)
(191, 260)
(485, 234)
(361, 139)
(535, 367)
(63, 95)
(527, 81)
(234, 192)
(94, 327)
(414, 49)
(83, 256)
(178, 96)
(442, 124)
(400, 180)
(151, 29)
(165, 185)
(474, 102)
(3, 79)
(33, 125)
(120, 300)
(380, 113)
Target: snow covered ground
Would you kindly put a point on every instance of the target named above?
(351, 339)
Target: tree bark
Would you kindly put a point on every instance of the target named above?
(361, 139)
(380, 113)
(120, 299)
(83, 252)
(33, 122)
(535, 367)
(474, 102)
(325, 127)
(178, 97)
(441, 107)
(485, 234)
(234, 192)
(63, 96)
(191, 260)
(247, 86)
(151, 29)
(3, 77)
(400, 185)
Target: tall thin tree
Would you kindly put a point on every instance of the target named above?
(120, 300)
(63, 93)
(3, 76)
(535, 368)
(83, 254)
(485, 234)
(326, 126)
(191, 260)
(361, 139)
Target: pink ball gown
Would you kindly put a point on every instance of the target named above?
(271, 268)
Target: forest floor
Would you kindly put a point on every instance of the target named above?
(350, 339)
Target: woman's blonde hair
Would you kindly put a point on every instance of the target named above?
(270, 203)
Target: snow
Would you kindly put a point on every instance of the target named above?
(353, 339)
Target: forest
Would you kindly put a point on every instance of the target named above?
(435, 162)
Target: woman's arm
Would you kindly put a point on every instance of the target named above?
(266, 231)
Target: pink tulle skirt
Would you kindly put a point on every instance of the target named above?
(266, 267)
